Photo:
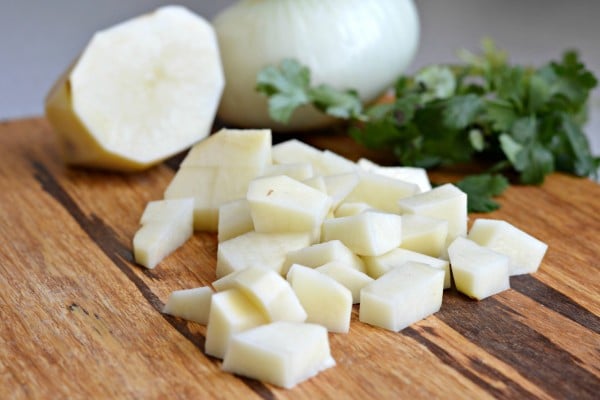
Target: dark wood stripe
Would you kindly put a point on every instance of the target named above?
(106, 239)
(554, 300)
(511, 389)
(492, 326)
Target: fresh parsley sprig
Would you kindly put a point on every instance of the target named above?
(522, 121)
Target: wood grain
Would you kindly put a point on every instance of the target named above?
(81, 320)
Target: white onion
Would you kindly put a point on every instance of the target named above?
(359, 44)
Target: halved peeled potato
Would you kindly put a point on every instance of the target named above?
(141, 91)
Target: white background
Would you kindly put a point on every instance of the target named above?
(39, 38)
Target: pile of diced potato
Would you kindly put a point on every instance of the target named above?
(303, 235)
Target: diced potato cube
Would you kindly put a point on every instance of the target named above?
(234, 219)
(478, 271)
(280, 353)
(404, 295)
(252, 249)
(232, 148)
(370, 233)
(230, 312)
(321, 253)
(379, 265)
(166, 225)
(414, 175)
(269, 291)
(424, 234)
(323, 162)
(190, 304)
(351, 278)
(198, 183)
(294, 151)
(382, 192)
(444, 202)
(282, 204)
(326, 301)
(298, 171)
(524, 251)
(351, 208)
(339, 186)
(316, 182)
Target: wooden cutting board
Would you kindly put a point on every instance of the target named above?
(81, 320)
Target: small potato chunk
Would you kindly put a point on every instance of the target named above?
(269, 291)
(351, 278)
(298, 171)
(232, 148)
(321, 253)
(424, 234)
(478, 271)
(230, 312)
(316, 182)
(282, 204)
(524, 251)
(444, 202)
(191, 304)
(404, 295)
(280, 353)
(218, 170)
(339, 186)
(326, 301)
(377, 266)
(370, 233)
(234, 219)
(414, 175)
(252, 249)
(323, 162)
(166, 225)
(351, 208)
(381, 192)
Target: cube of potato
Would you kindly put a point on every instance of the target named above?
(232, 148)
(210, 187)
(294, 151)
(269, 291)
(282, 204)
(326, 301)
(339, 186)
(197, 183)
(321, 253)
(414, 175)
(351, 278)
(191, 304)
(478, 271)
(381, 192)
(166, 225)
(444, 202)
(230, 312)
(524, 251)
(379, 265)
(424, 234)
(404, 295)
(297, 171)
(280, 353)
(370, 233)
(258, 249)
(347, 209)
(234, 219)
(323, 162)
(316, 182)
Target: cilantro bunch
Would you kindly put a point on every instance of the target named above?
(517, 121)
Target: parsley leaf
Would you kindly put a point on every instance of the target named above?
(480, 189)
(520, 119)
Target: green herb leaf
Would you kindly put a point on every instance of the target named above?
(480, 189)
(517, 118)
